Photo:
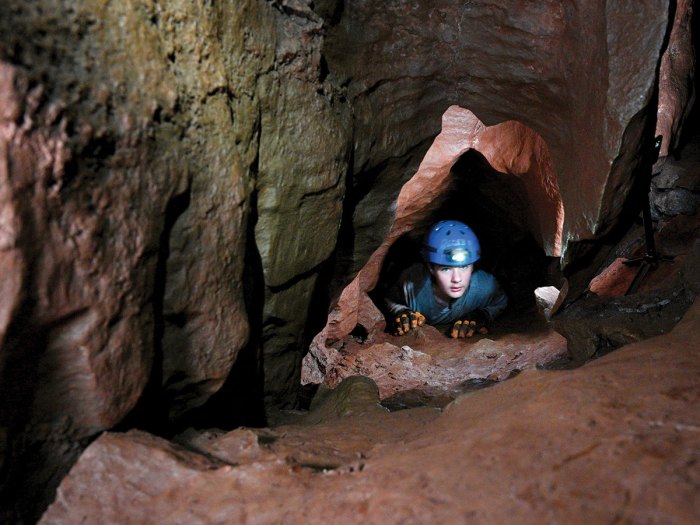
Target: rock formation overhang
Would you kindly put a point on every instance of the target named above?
(590, 99)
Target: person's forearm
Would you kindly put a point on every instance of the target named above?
(496, 306)
(394, 307)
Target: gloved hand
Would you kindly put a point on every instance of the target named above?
(406, 321)
(476, 322)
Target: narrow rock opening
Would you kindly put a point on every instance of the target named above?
(499, 180)
(496, 206)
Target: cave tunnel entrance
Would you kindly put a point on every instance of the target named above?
(496, 206)
(498, 180)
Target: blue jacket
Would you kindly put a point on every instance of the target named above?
(415, 292)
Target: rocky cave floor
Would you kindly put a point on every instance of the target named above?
(404, 430)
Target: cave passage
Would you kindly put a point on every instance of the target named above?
(495, 206)
(500, 181)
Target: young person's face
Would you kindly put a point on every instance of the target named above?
(452, 281)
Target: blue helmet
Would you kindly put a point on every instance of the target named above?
(451, 243)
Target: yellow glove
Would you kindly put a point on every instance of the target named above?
(407, 321)
(476, 323)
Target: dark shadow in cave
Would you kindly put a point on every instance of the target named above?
(687, 144)
(317, 315)
(239, 401)
(25, 459)
(342, 258)
(151, 412)
(495, 205)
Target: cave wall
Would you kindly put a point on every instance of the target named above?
(304, 154)
(591, 102)
(154, 158)
(118, 135)
(580, 74)
(677, 78)
(173, 175)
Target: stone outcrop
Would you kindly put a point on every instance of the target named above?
(304, 152)
(427, 369)
(614, 440)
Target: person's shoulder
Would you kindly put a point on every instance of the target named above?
(484, 278)
(414, 273)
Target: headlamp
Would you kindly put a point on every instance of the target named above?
(458, 255)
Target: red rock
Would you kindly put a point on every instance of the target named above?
(676, 77)
(98, 139)
(616, 439)
(588, 98)
(509, 147)
(92, 199)
(89, 326)
(615, 280)
(426, 367)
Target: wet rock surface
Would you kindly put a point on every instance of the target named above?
(614, 440)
